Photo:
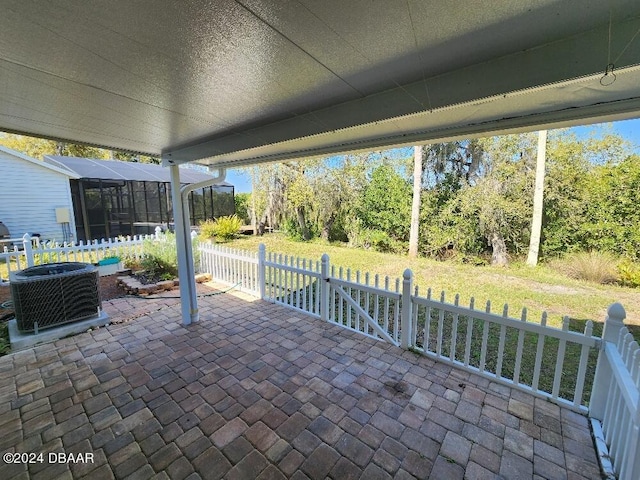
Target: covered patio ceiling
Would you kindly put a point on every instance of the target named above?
(230, 83)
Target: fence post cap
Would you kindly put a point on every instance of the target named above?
(407, 274)
(262, 247)
(616, 312)
(324, 257)
(26, 237)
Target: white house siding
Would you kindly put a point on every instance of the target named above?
(30, 191)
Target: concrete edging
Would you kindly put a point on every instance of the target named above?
(20, 341)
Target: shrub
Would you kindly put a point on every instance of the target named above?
(207, 229)
(378, 240)
(160, 257)
(372, 239)
(130, 261)
(629, 273)
(158, 268)
(242, 201)
(224, 228)
(595, 267)
(292, 230)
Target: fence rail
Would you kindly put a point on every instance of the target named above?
(33, 252)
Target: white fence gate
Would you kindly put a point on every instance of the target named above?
(507, 350)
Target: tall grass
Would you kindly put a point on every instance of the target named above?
(597, 267)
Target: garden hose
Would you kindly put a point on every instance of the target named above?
(158, 297)
(201, 295)
(7, 305)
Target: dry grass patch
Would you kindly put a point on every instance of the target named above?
(594, 267)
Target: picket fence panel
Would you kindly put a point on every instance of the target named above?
(233, 267)
(615, 401)
(292, 282)
(33, 252)
(507, 350)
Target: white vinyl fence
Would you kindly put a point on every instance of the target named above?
(230, 266)
(615, 401)
(290, 281)
(30, 251)
(530, 356)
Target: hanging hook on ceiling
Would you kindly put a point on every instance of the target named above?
(609, 77)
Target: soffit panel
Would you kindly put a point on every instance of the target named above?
(213, 77)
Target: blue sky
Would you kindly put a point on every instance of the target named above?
(629, 129)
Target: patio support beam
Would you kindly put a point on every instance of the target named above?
(184, 246)
(183, 238)
(190, 293)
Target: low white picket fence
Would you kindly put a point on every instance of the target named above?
(507, 350)
(30, 251)
(615, 401)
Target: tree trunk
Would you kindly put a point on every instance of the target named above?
(499, 256)
(303, 223)
(326, 229)
(538, 201)
(254, 214)
(261, 226)
(254, 222)
(415, 205)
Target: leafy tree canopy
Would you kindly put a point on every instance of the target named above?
(40, 147)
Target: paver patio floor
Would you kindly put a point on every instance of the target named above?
(255, 390)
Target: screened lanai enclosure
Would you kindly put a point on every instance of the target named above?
(113, 198)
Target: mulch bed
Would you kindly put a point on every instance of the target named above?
(109, 288)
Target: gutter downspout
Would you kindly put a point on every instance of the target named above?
(186, 269)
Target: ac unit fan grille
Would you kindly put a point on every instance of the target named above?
(55, 299)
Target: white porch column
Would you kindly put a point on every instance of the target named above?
(188, 300)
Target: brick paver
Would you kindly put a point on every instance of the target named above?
(258, 391)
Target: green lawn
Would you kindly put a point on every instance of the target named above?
(536, 289)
